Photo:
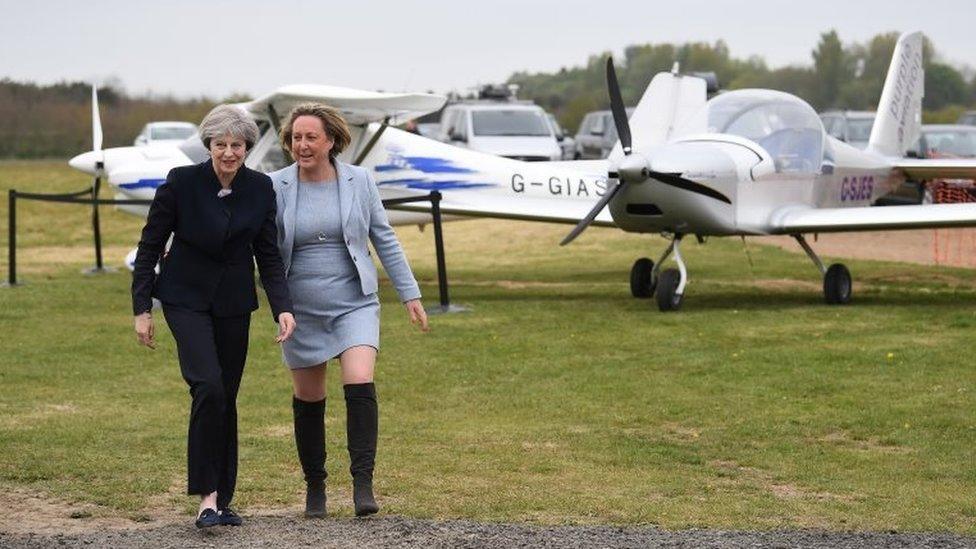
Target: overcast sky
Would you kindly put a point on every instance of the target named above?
(218, 47)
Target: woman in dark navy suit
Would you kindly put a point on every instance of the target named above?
(221, 215)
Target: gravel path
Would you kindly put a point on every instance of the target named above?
(272, 531)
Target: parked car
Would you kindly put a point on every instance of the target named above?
(942, 141)
(161, 132)
(566, 143)
(852, 127)
(945, 141)
(516, 130)
(968, 118)
(597, 135)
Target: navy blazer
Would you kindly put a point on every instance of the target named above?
(210, 266)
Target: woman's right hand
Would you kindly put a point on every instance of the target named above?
(145, 332)
(286, 325)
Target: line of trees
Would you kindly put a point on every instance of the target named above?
(841, 76)
(55, 120)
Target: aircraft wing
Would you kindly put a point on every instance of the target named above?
(804, 219)
(357, 106)
(923, 169)
(524, 209)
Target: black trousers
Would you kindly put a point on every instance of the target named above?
(212, 351)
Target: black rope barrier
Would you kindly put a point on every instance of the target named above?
(433, 197)
(435, 209)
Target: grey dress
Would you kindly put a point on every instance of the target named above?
(331, 311)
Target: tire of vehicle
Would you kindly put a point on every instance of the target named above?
(837, 285)
(641, 285)
(665, 293)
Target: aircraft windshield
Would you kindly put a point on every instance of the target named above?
(788, 128)
(509, 122)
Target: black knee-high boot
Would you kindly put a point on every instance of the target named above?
(310, 441)
(361, 426)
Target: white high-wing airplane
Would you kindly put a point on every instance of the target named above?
(746, 162)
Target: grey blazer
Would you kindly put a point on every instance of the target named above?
(363, 219)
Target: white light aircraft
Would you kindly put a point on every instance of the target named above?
(745, 163)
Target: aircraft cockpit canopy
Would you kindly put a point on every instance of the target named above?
(784, 125)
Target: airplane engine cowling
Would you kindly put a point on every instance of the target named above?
(651, 206)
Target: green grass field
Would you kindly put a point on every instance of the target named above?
(557, 399)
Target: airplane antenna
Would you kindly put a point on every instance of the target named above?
(745, 246)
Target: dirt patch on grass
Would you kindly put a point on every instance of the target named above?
(28, 420)
(48, 259)
(791, 491)
(681, 433)
(547, 446)
(842, 439)
(279, 431)
(765, 481)
(26, 512)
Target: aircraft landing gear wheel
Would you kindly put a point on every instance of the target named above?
(641, 281)
(837, 285)
(666, 293)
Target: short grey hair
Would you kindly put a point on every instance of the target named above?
(228, 120)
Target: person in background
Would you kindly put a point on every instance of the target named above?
(411, 126)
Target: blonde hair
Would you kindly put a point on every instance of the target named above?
(332, 122)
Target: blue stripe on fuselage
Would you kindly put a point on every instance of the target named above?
(142, 184)
(425, 164)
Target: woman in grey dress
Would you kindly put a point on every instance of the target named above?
(328, 212)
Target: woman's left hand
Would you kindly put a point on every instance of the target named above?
(286, 325)
(417, 314)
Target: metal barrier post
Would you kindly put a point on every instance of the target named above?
(435, 210)
(12, 237)
(64, 198)
(96, 224)
(434, 197)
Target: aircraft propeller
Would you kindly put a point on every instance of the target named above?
(97, 134)
(632, 168)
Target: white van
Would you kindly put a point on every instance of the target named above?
(512, 130)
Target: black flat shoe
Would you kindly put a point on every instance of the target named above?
(208, 518)
(229, 518)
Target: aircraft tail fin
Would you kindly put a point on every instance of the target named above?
(667, 102)
(899, 116)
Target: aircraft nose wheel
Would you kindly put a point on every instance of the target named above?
(666, 294)
(837, 285)
(642, 281)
